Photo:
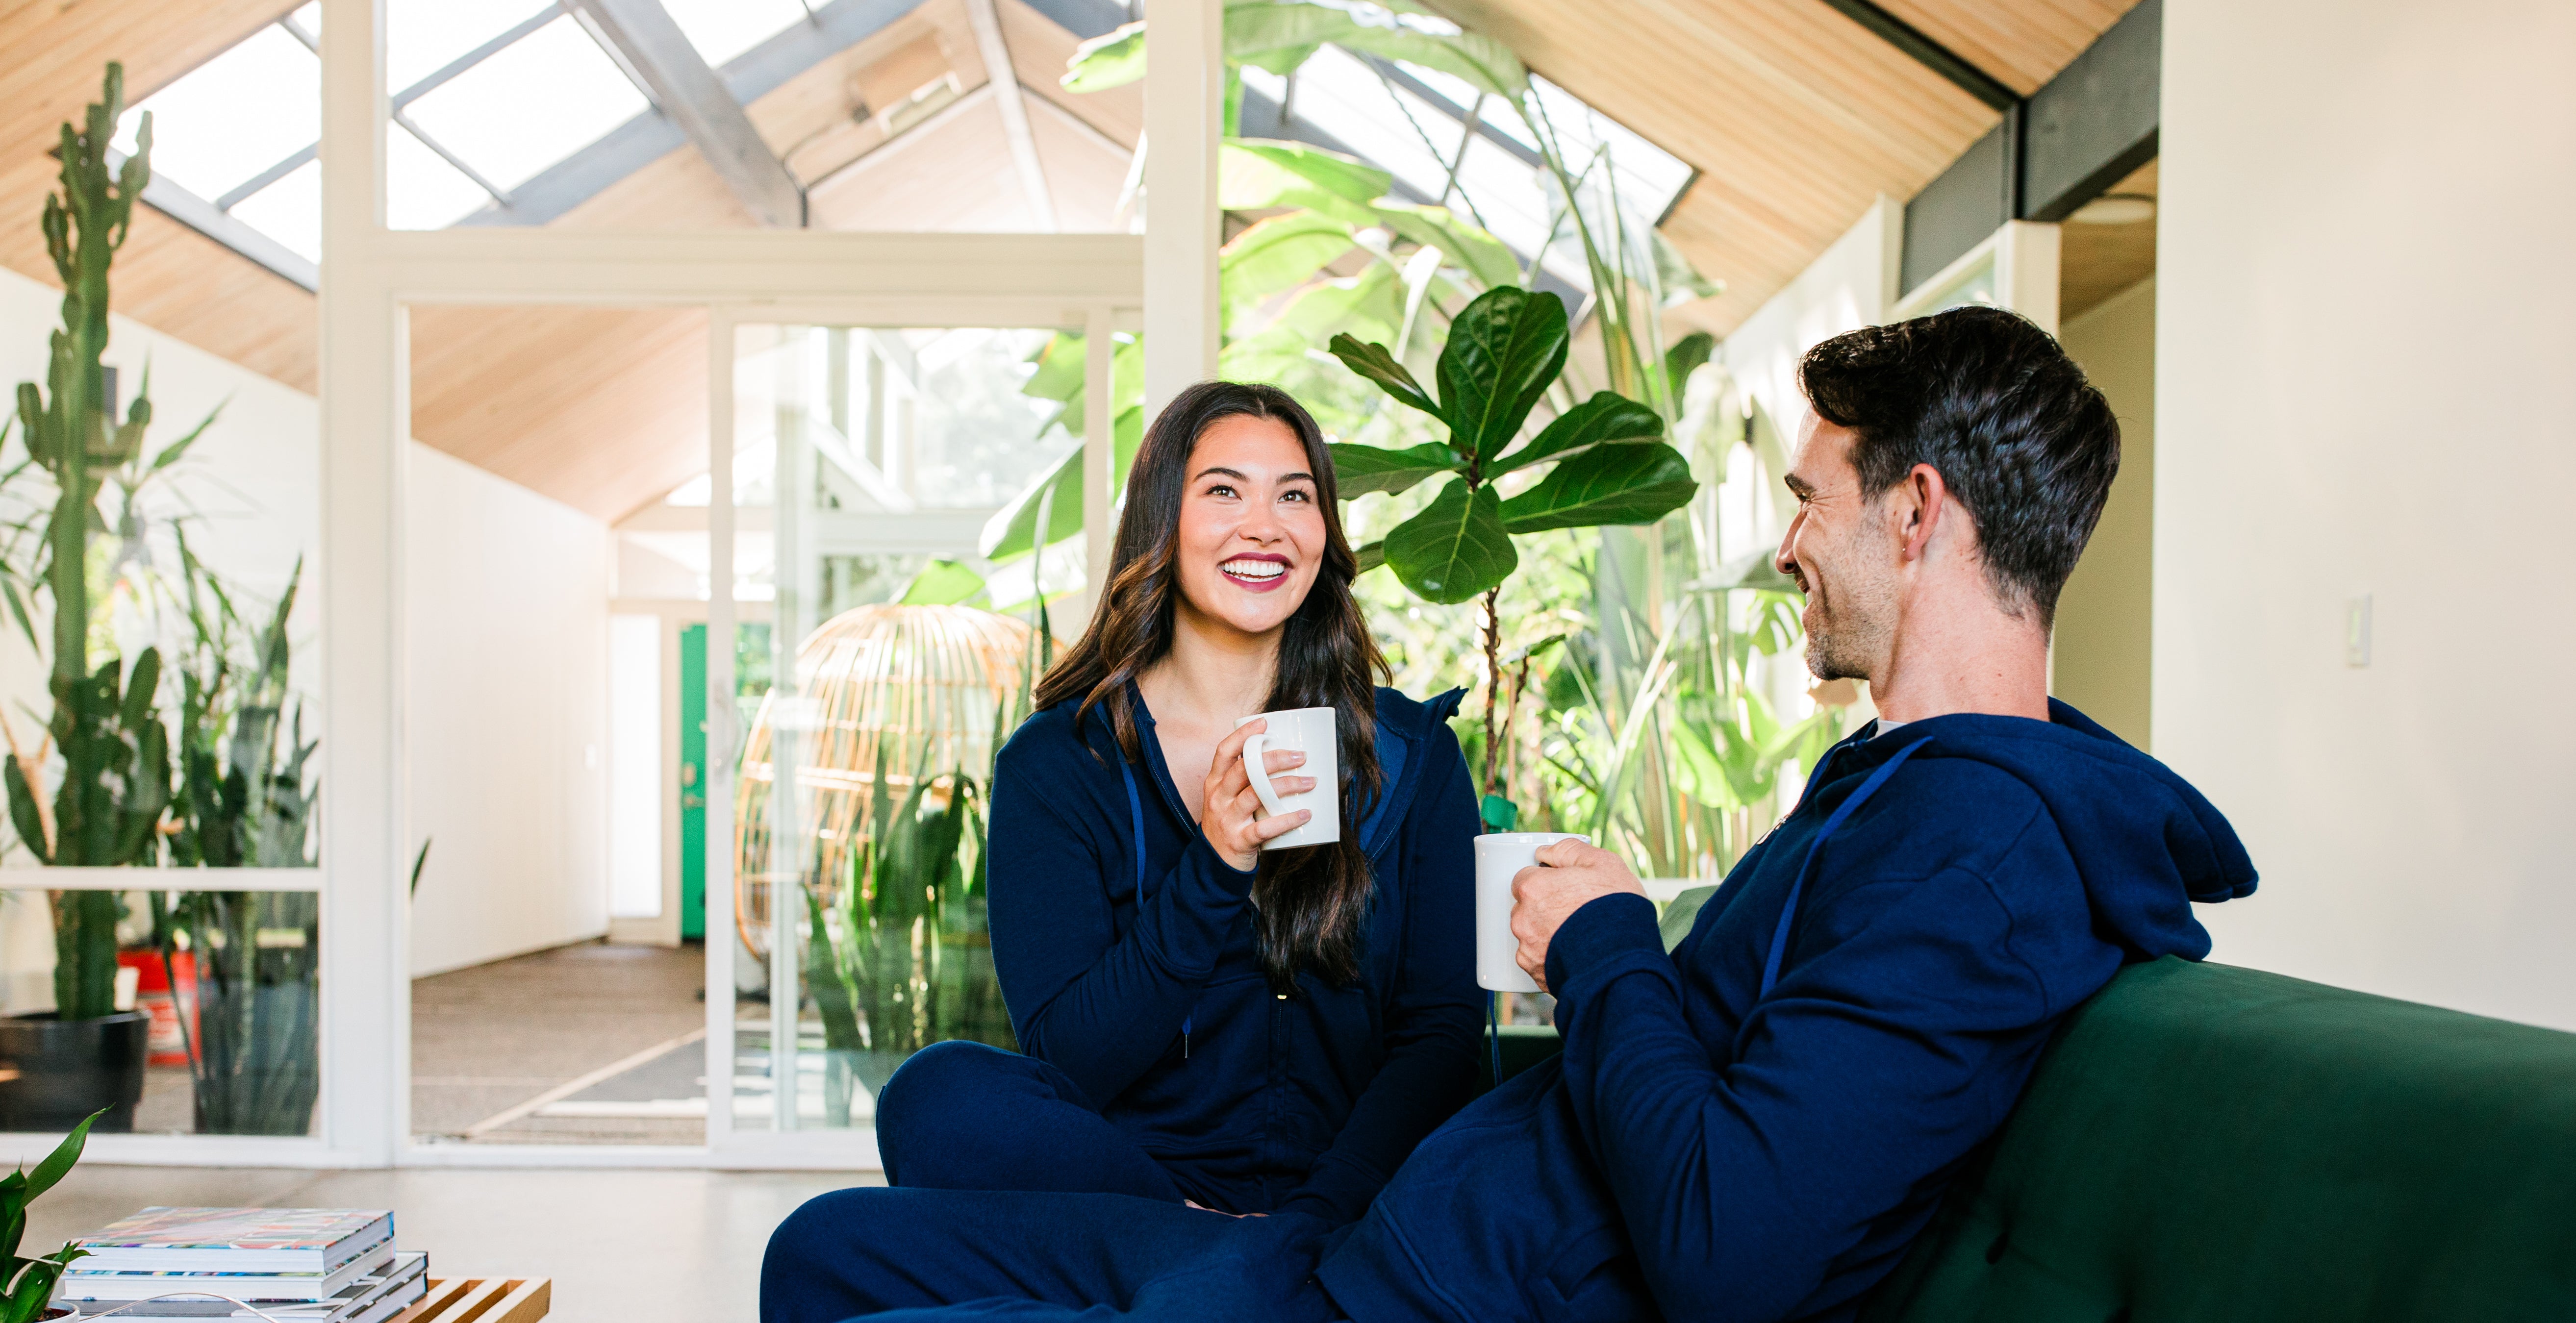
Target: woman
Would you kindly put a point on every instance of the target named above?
(1205, 1022)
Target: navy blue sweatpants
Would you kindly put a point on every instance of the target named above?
(964, 1116)
(928, 1255)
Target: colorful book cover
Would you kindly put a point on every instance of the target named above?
(309, 1229)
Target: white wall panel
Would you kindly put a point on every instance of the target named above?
(2363, 351)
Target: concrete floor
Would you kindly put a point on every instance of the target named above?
(486, 1039)
(621, 1246)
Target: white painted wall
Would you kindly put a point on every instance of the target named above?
(508, 716)
(509, 634)
(1851, 285)
(2101, 652)
(2364, 386)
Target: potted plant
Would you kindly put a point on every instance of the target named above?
(85, 1056)
(27, 1293)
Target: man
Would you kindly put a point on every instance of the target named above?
(1756, 1125)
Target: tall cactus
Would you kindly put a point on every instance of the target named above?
(74, 435)
(115, 751)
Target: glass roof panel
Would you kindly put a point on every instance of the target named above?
(1345, 98)
(289, 211)
(537, 101)
(422, 191)
(1649, 177)
(422, 36)
(723, 29)
(234, 116)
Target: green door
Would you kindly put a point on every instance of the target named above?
(693, 781)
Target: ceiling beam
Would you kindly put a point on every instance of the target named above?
(648, 137)
(1005, 79)
(1932, 55)
(687, 89)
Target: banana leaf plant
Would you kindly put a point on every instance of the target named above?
(1605, 459)
(29, 1287)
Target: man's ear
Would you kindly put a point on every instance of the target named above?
(1919, 501)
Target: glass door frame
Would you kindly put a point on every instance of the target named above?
(371, 274)
(1097, 319)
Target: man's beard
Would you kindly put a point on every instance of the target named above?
(1847, 631)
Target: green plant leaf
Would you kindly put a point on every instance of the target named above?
(1480, 254)
(942, 583)
(1378, 365)
(1604, 419)
(1013, 530)
(1367, 307)
(1486, 64)
(1359, 470)
(1681, 282)
(1455, 548)
(1279, 254)
(1685, 357)
(1280, 37)
(1505, 349)
(1371, 556)
(58, 1163)
(1636, 483)
(1254, 174)
(141, 689)
(1059, 374)
(1112, 59)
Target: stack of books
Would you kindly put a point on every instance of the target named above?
(302, 1265)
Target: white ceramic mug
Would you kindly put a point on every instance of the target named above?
(1500, 857)
(1310, 731)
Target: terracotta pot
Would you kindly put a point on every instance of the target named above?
(54, 1072)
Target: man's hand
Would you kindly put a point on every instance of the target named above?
(1569, 875)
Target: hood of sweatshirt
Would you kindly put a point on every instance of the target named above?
(2146, 844)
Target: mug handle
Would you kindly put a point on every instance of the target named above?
(1253, 748)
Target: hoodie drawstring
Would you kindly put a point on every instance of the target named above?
(1788, 912)
(1136, 817)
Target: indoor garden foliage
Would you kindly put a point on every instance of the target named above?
(870, 869)
(120, 778)
(1550, 519)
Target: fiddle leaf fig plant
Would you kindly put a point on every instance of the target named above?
(1606, 460)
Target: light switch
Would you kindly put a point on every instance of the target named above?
(2356, 631)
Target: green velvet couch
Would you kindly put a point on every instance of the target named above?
(2220, 1145)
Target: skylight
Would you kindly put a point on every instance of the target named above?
(487, 95)
(723, 29)
(530, 104)
(1410, 121)
(226, 121)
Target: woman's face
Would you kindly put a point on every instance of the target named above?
(1252, 533)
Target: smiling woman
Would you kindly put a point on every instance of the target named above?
(1211, 1015)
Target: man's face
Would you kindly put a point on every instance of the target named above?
(1844, 557)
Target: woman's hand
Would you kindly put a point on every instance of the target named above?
(1231, 817)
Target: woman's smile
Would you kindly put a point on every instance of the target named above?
(1255, 571)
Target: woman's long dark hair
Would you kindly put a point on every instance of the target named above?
(1310, 901)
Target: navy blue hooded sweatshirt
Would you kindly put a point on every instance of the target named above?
(1705, 1151)
(1162, 1013)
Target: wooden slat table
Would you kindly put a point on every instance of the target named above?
(482, 1300)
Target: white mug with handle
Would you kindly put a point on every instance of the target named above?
(1500, 857)
(1310, 731)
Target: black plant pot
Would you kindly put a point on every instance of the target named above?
(54, 1072)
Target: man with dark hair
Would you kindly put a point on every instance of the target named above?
(1755, 1124)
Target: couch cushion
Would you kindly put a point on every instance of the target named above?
(2209, 1143)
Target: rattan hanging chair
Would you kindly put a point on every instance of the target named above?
(888, 697)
